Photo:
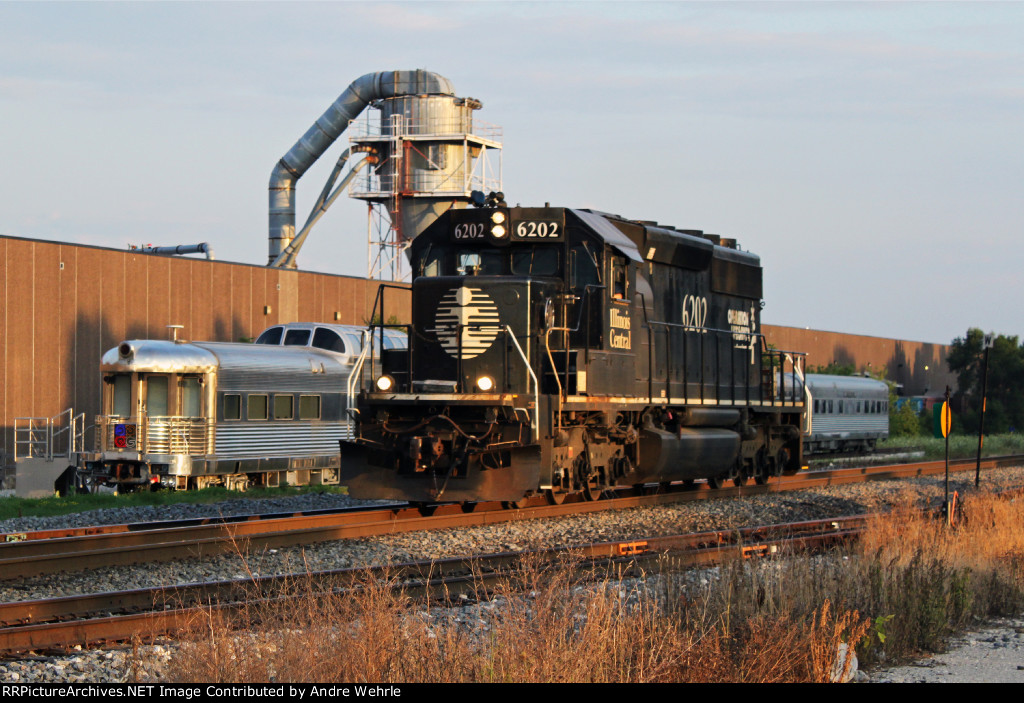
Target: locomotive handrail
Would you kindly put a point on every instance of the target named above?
(778, 392)
(536, 385)
(357, 371)
(703, 331)
(584, 301)
(379, 299)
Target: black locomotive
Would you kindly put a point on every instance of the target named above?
(568, 351)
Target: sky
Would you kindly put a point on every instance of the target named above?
(872, 154)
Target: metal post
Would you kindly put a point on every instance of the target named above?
(947, 433)
(989, 341)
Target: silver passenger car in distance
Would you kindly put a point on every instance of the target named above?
(194, 414)
(848, 413)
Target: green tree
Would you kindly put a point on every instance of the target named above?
(834, 369)
(903, 422)
(1005, 381)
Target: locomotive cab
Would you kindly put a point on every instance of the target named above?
(548, 354)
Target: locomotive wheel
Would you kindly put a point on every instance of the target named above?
(781, 461)
(555, 497)
(515, 504)
(741, 479)
(591, 493)
(716, 482)
(762, 467)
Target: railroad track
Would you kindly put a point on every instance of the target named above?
(148, 614)
(29, 553)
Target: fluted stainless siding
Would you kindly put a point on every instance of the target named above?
(846, 426)
(264, 379)
(279, 439)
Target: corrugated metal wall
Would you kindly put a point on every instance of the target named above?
(919, 366)
(63, 305)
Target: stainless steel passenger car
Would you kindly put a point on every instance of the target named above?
(848, 413)
(193, 414)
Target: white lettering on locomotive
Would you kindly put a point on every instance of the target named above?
(619, 320)
(743, 325)
(537, 230)
(469, 230)
(695, 311)
(739, 323)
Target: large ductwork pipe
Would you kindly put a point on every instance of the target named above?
(323, 133)
(181, 250)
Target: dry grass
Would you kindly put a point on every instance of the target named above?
(905, 587)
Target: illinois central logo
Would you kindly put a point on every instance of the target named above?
(478, 316)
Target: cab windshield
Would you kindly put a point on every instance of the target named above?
(467, 261)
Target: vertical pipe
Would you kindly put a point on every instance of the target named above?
(981, 428)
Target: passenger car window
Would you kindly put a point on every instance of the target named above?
(309, 407)
(354, 343)
(284, 407)
(191, 397)
(257, 407)
(232, 407)
(122, 395)
(328, 339)
(156, 396)
(270, 336)
(296, 338)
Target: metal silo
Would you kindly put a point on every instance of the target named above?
(431, 155)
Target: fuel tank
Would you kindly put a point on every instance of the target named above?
(689, 453)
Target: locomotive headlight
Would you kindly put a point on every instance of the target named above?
(485, 383)
(385, 383)
(498, 231)
(498, 217)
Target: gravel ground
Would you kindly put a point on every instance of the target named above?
(695, 516)
(992, 655)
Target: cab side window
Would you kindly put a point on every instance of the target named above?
(585, 271)
(619, 291)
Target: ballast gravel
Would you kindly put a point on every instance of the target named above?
(634, 523)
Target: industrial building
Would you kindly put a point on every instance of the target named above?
(65, 304)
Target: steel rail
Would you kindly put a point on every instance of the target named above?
(182, 522)
(156, 612)
(30, 556)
